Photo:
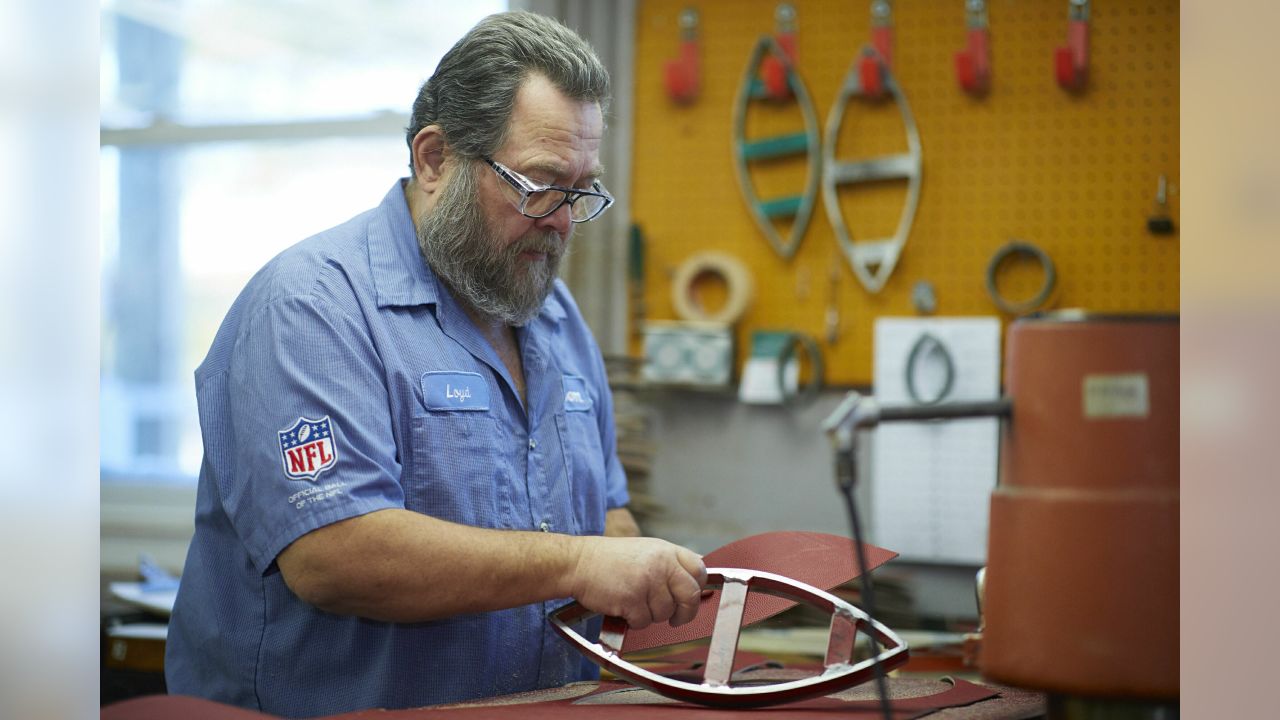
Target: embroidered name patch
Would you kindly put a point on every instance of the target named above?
(307, 448)
(449, 390)
(576, 397)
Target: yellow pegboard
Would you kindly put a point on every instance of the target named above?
(1073, 173)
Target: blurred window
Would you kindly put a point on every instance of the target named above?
(232, 129)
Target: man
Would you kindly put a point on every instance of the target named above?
(409, 446)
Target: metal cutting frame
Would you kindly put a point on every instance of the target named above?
(798, 206)
(872, 260)
(840, 671)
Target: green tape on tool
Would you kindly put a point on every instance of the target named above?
(780, 146)
(781, 207)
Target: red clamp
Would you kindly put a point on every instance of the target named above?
(1071, 63)
(773, 71)
(870, 70)
(682, 73)
(973, 64)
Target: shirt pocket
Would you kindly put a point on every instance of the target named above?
(455, 472)
(585, 459)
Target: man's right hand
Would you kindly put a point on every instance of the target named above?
(641, 580)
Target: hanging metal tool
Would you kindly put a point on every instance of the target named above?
(799, 207)
(682, 74)
(973, 64)
(929, 345)
(1160, 223)
(832, 317)
(1023, 249)
(872, 260)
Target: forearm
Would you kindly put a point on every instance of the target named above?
(401, 566)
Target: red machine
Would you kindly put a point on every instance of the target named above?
(1082, 570)
(1081, 590)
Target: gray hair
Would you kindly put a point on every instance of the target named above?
(473, 90)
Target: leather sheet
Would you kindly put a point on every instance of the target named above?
(819, 559)
(690, 662)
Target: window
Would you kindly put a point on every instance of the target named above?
(232, 129)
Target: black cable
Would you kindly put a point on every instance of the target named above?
(846, 473)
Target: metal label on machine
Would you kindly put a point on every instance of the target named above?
(1116, 396)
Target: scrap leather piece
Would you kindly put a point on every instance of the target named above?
(650, 706)
(937, 695)
(819, 559)
(555, 703)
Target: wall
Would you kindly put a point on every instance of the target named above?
(1075, 173)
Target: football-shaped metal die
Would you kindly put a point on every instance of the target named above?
(840, 671)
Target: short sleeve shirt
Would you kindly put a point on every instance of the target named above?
(346, 379)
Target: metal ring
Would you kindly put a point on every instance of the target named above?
(930, 342)
(809, 392)
(1019, 247)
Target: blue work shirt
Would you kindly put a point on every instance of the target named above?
(346, 379)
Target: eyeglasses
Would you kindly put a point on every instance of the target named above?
(536, 200)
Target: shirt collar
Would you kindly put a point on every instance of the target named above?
(401, 278)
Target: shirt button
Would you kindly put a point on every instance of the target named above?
(545, 526)
(533, 444)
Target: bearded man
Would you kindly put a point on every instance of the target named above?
(409, 443)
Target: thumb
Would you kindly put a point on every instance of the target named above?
(692, 564)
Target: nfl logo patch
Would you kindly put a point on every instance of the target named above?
(307, 448)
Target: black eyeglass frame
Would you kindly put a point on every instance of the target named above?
(527, 188)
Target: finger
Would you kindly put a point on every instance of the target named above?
(684, 588)
(639, 613)
(687, 594)
(684, 613)
(661, 603)
(692, 564)
(637, 617)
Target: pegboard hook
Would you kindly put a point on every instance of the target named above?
(1071, 62)
(682, 74)
(973, 64)
(773, 70)
(878, 59)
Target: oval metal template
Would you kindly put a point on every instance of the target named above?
(840, 672)
(873, 259)
(800, 207)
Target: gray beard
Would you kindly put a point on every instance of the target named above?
(457, 242)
